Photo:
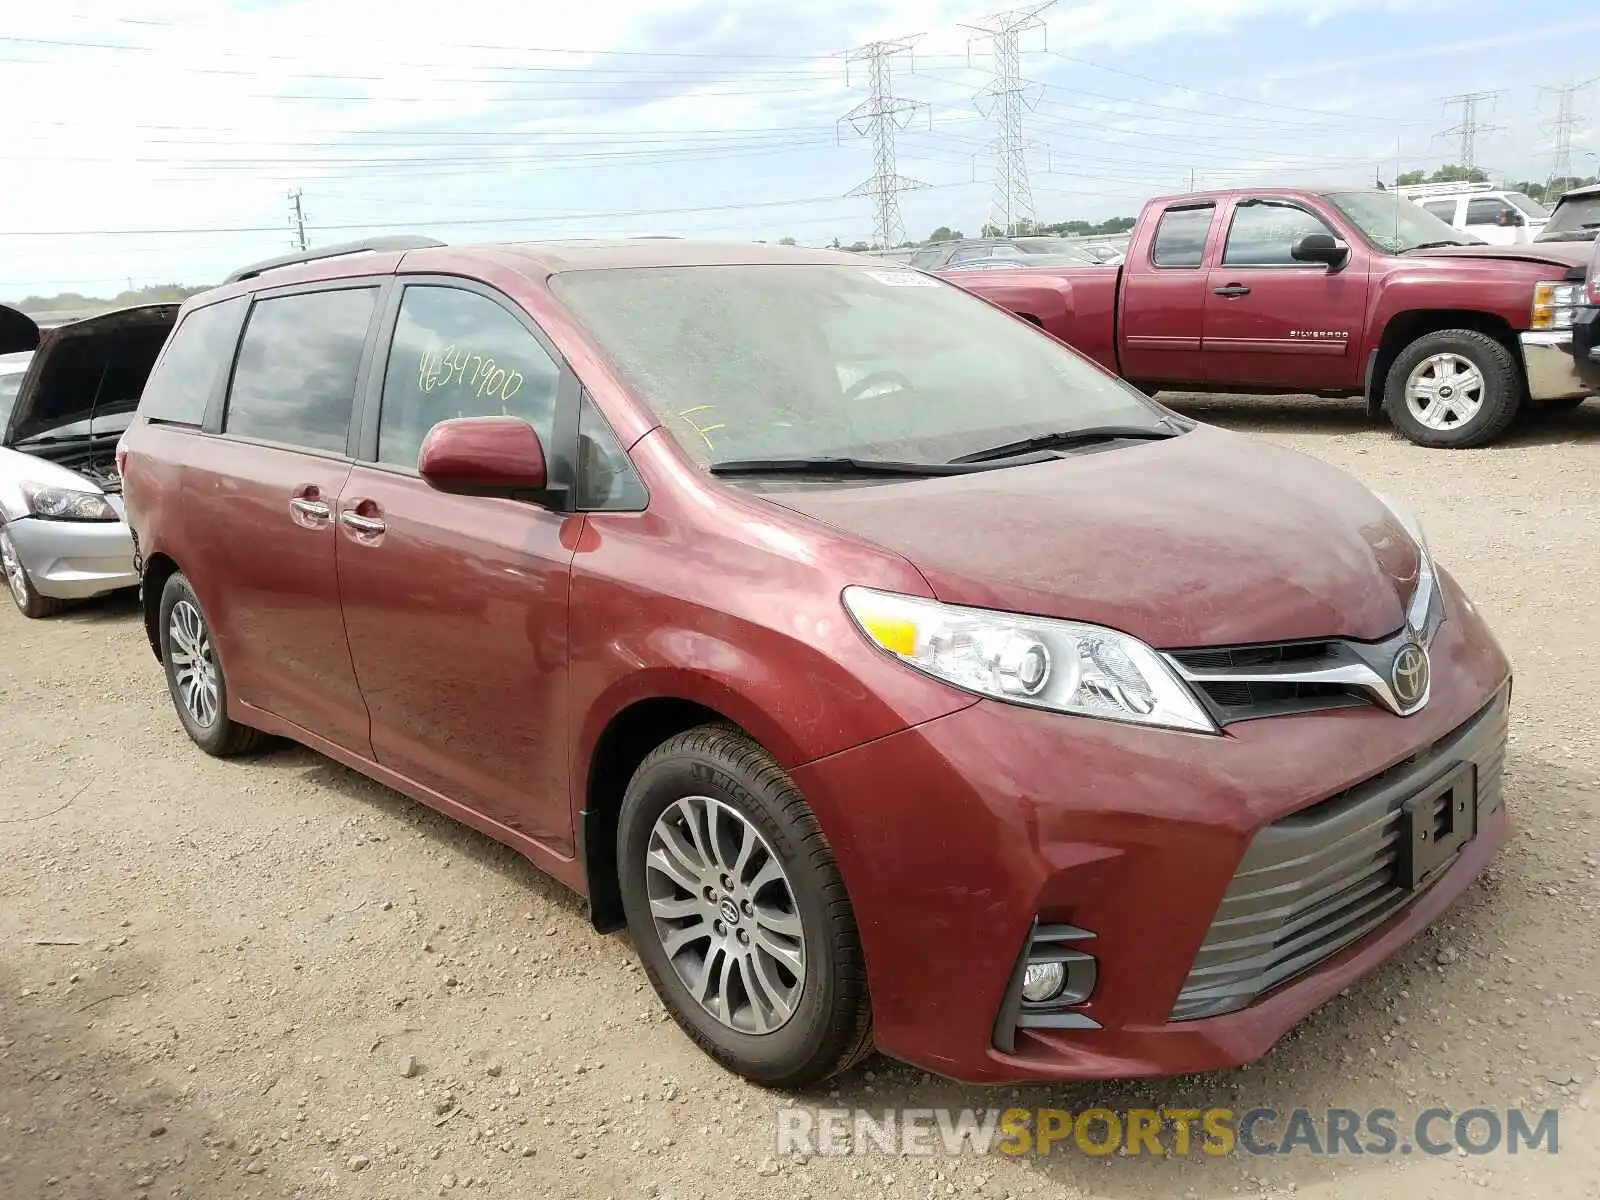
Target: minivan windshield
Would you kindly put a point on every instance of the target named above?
(818, 360)
(1391, 222)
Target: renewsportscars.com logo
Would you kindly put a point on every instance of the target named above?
(830, 1132)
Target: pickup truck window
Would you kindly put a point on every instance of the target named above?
(1445, 210)
(1263, 233)
(1181, 236)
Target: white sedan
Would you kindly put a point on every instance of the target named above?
(62, 408)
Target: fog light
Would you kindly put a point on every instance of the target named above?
(1043, 981)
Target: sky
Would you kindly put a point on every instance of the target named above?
(159, 142)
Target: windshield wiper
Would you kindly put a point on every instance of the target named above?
(1065, 439)
(1435, 245)
(838, 466)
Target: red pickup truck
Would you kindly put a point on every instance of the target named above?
(1342, 292)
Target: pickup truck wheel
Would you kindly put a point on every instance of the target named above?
(738, 913)
(1456, 388)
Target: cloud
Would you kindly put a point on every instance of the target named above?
(198, 116)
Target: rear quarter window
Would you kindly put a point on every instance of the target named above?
(198, 352)
(1181, 236)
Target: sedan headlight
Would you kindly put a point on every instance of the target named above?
(66, 504)
(1554, 304)
(1426, 609)
(1064, 666)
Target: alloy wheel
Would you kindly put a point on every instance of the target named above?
(194, 670)
(1445, 391)
(16, 577)
(725, 913)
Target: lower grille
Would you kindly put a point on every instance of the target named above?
(1320, 879)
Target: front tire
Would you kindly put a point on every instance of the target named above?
(195, 679)
(738, 911)
(19, 586)
(1454, 389)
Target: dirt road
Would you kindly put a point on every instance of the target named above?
(272, 978)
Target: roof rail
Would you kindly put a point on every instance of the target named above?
(1412, 191)
(399, 241)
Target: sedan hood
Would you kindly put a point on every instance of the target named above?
(1206, 539)
(83, 372)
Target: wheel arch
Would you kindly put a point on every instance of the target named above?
(158, 568)
(1406, 327)
(624, 741)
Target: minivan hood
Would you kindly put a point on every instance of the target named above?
(85, 377)
(1556, 254)
(1206, 539)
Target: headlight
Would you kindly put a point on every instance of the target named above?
(66, 504)
(1553, 304)
(1063, 666)
(1425, 610)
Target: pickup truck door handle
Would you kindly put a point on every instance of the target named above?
(1233, 289)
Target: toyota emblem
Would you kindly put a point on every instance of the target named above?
(1409, 674)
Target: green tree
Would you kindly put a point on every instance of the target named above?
(1449, 173)
(786, 241)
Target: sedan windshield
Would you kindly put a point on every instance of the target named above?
(823, 361)
(1395, 224)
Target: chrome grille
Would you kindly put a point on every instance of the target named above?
(1319, 880)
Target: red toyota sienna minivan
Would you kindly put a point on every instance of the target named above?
(896, 676)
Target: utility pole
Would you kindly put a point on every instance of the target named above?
(297, 218)
(1004, 100)
(880, 116)
(1471, 124)
(1566, 123)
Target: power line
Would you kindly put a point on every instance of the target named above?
(1471, 124)
(880, 116)
(1006, 96)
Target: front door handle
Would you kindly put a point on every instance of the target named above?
(313, 514)
(1233, 289)
(365, 526)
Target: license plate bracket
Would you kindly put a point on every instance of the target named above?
(1436, 823)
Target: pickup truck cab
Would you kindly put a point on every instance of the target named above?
(1343, 292)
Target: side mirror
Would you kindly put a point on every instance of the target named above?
(483, 456)
(1320, 248)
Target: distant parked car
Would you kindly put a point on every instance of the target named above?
(1575, 218)
(66, 396)
(944, 256)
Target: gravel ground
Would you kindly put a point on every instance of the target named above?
(273, 978)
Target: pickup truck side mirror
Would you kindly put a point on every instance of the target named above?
(1320, 248)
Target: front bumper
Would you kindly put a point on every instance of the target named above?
(74, 560)
(1555, 367)
(962, 837)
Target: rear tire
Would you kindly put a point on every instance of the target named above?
(714, 837)
(1454, 389)
(195, 678)
(20, 587)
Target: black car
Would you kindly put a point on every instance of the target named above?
(1576, 217)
